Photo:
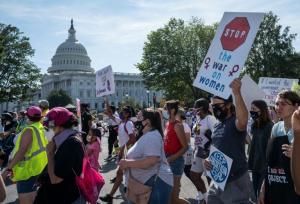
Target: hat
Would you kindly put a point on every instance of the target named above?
(59, 115)
(229, 100)
(44, 103)
(34, 112)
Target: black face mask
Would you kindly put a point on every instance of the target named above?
(219, 112)
(254, 115)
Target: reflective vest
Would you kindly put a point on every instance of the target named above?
(35, 158)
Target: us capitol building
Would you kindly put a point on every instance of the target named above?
(71, 71)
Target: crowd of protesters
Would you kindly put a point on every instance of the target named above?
(43, 151)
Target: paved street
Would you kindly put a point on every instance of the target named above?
(109, 170)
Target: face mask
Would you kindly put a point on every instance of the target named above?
(49, 134)
(219, 113)
(121, 115)
(254, 115)
(165, 115)
(7, 123)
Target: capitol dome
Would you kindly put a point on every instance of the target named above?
(70, 56)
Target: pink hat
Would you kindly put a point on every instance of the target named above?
(59, 116)
(34, 112)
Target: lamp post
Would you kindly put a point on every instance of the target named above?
(148, 92)
(127, 95)
(7, 91)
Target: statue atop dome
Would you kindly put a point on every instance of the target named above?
(72, 31)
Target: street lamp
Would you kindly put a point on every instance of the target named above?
(148, 92)
(127, 95)
(7, 91)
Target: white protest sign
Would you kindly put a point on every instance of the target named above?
(250, 91)
(228, 52)
(78, 114)
(105, 83)
(272, 86)
(221, 167)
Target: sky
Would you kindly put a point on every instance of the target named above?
(114, 31)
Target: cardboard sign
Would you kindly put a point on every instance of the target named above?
(221, 167)
(250, 91)
(228, 52)
(272, 86)
(105, 83)
(78, 114)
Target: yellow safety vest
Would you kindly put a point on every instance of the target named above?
(35, 158)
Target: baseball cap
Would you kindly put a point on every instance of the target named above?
(59, 116)
(34, 112)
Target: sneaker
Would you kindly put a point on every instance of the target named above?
(113, 180)
(108, 158)
(199, 200)
(107, 198)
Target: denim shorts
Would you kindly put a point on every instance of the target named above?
(161, 191)
(27, 186)
(177, 166)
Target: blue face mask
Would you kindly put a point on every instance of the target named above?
(121, 115)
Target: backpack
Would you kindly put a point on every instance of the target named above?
(90, 182)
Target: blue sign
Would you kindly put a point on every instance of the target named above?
(220, 168)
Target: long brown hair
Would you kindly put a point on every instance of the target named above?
(155, 119)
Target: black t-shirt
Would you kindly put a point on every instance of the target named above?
(257, 156)
(68, 161)
(229, 140)
(85, 118)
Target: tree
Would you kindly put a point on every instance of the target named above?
(58, 98)
(172, 56)
(18, 74)
(272, 53)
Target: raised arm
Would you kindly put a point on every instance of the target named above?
(241, 109)
(295, 164)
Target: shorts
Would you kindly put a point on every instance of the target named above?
(177, 166)
(197, 165)
(27, 186)
(161, 191)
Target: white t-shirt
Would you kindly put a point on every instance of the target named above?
(123, 135)
(150, 144)
(206, 123)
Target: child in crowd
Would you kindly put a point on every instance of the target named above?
(93, 148)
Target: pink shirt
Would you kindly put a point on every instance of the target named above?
(93, 151)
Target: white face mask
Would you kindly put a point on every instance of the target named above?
(165, 115)
(49, 134)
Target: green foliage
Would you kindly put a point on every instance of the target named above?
(272, 54)
(130, 102)
(18, 74)
(296, 88)
(59, 98)
(172, 55)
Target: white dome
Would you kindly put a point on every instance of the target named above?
(71, 56)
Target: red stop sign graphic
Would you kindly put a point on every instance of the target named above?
(235, 33)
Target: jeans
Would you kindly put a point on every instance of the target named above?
(161, 191)
(177, 166)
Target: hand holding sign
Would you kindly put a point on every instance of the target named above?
(236, 85)
(218, 167)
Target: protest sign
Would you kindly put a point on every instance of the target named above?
(105, 83)
(78, 114)
(228, 52)
(272, 86)
(221, 167)
(250, 91)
